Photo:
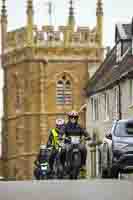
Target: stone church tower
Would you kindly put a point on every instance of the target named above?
(45, 72)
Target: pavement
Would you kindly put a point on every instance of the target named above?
(67, 190)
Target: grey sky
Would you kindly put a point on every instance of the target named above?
(114, 11)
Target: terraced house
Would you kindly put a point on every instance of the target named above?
(110, 90)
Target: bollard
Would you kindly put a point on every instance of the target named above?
(93, 160)
(93, 148)
(99, 142)
(92, 145)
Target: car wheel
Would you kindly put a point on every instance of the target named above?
(115, 173)
(102, 173)
(104, 165)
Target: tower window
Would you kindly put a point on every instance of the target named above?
(86, 36)
(64, 92)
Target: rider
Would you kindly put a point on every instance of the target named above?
(73, 128)
(55, 135)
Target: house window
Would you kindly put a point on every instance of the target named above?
(50, 36)
(86, 36)
(106, 105)
(95, 108)
(131, 91)
(64, 92)
(118, 52)
(116, 98)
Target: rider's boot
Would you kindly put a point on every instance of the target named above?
(83, 172)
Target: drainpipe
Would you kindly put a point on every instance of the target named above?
(120, 113)
(132, 35)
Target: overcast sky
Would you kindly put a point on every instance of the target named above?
(114, 11)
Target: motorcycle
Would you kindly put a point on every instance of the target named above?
(42, 170)
(74, 157)
(58, 167)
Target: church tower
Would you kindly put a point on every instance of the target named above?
(45, 72)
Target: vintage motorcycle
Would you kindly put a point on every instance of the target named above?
(42, 170)
(73, 158)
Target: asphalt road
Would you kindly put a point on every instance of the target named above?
(67, 190)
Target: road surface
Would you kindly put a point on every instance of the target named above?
(67, 190)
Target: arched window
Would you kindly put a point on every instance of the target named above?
(63, 92)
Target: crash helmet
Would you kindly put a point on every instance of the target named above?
(73, 115)
(60, 123)
(42, 147)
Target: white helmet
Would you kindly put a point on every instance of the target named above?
(42, 146)
(60, 122)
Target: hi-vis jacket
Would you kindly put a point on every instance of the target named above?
(54, 137)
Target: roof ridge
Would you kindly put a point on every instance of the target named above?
(109, 55)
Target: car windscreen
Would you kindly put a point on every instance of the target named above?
(124, 129)
(129, 129)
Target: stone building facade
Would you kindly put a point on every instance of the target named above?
(45, 72)
(110, 90)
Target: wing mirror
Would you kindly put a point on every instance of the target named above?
(109, 136)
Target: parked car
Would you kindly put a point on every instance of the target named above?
(116, 151)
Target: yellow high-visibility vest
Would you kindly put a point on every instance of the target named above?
(55, 140)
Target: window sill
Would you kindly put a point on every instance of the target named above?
(106, 120)
(131, 106)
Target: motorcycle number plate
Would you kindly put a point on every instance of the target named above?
(75, 140)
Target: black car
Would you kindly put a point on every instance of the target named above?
(120, 152)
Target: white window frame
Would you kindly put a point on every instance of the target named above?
(116, 100)
(95, 108)
(106, 105)
(131, 91)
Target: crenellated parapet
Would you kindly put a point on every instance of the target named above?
(82, 36)
(16, 39)
(48, 36)
(67, 36)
